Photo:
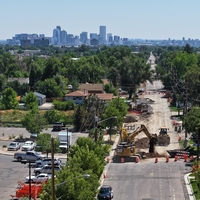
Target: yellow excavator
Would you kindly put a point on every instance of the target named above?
(126, 145)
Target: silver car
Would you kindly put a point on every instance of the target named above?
(47, 161)
(14, 146)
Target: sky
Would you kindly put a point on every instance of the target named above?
(144, 19)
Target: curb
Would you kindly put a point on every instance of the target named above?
(111, 154)
(189, 187)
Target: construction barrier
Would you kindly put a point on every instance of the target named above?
(167, 158)
(136, 159)
(108, 160)
(122, 159)
(104, 175)
(156, 159)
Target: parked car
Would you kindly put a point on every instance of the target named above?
(38, 179)
(31, 156)
(46, 169)
(47, 161)
(34, 135)
(14, 146)
(28, 146)
(105, 192)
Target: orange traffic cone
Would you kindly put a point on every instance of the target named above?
(175, 158)
(104, 175)
(167, 158)
(185, 158)
(156, 159)
(179, 138)
(122, 159)
(136, 159)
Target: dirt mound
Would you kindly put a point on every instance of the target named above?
(142, 143)
(129, 119)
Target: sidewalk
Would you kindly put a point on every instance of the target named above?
(109, 157)
(189, 186)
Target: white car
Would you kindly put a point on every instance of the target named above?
(14, 146)
(38, 179)
(47, 161)
(28, 146)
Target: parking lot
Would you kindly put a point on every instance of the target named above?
(11, 171)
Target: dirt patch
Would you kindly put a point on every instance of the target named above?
(130, 119)
(142, 143)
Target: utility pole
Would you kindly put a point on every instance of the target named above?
(96, 128)
(198, 146)
(67, 143)
(29, 165)
(186, 102)
(52, 170)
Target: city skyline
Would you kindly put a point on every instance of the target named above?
(142, 19)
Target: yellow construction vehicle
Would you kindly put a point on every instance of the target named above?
(163, 136)
(126, 145)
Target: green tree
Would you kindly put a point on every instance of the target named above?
(191, 122)
(30, 101)
(9, 99)
(52, 116)
(34, 122)
(2, 82)
(44, 141)
(50, 88)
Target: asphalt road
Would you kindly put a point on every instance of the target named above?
(148, 180)
(9, 131)
(11, 172)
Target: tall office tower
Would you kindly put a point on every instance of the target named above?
(116, 39)
(109, 38)
(102, 34)
(56, 36)
(84, 37)
(59, 28)
(63, 37)
(183, 38)
(70, 39)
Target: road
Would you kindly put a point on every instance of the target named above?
(148, 180)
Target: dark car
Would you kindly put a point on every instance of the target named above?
(105, 192)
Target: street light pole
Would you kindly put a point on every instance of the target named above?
(84, 175)
(97, 122)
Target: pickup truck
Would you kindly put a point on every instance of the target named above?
(31, 156)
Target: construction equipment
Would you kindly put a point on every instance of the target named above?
(163, 136)
(126, 145)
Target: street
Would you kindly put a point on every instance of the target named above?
(147, 180)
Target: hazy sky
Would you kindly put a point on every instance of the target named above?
(145, 19)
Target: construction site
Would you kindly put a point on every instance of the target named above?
(148, 130)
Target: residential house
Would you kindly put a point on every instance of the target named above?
(77, 97)
(92, 88)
